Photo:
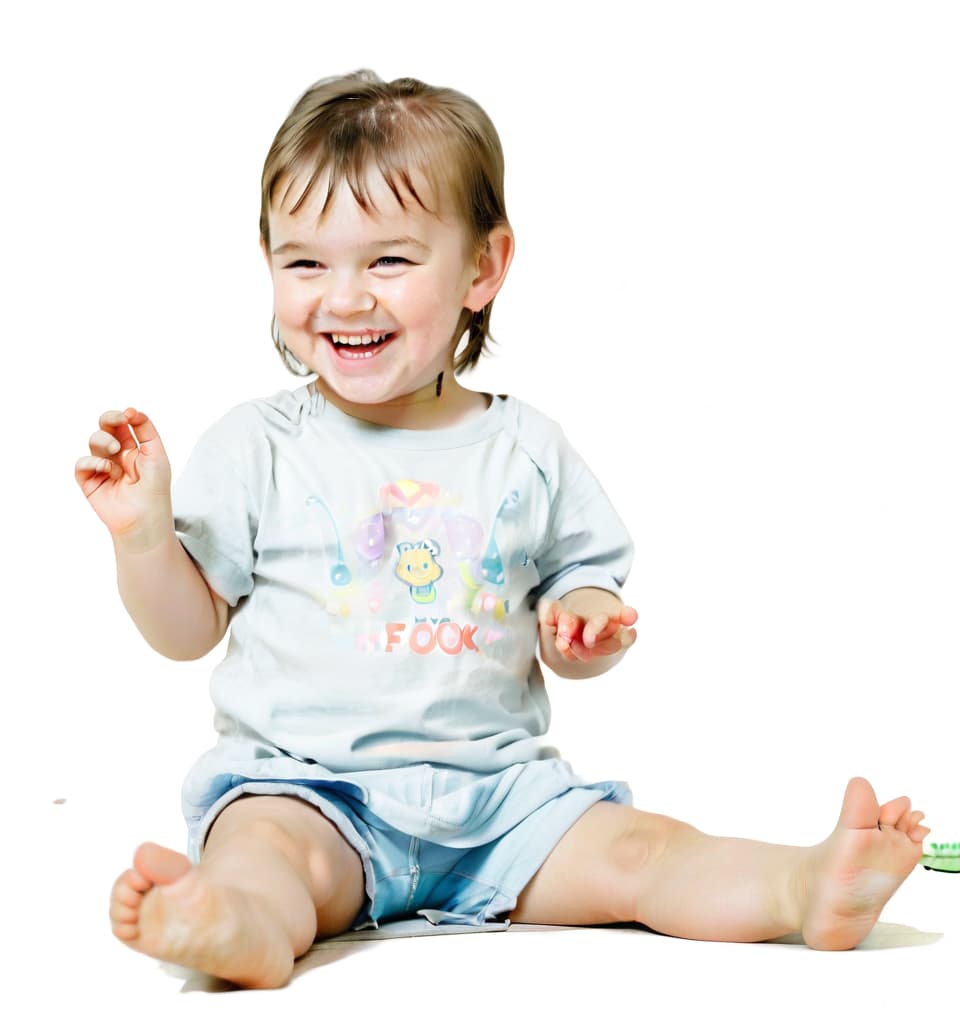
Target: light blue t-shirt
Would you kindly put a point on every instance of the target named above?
(383, 583)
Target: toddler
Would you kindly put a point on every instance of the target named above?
(390, 551)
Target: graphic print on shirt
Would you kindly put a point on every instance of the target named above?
(418, 568)
(491, 570)
(339, 573)
(445, 587)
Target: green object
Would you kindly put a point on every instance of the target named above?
(942, 857)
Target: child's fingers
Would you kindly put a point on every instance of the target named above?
(597, 628)
(104, 447)
(628, 615)
(91, 467)
(601, 627)
(115, 441)
(602, 648)
(620, 641)
(104, 444)
(549, 616)
(567, 632)
(130, 438)
(547, 613)
(132, 428)
(116, 424)
(578, 639)
(918, 833)
(95, 464)
(146, 432)
(569, 628)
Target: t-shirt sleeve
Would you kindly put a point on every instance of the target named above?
(587, 543)
(216, 515)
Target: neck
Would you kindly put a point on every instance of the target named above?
(426, 408)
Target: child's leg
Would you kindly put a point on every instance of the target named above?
(274, 874)
(619, 864)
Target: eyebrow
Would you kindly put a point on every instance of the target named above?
(385, 243)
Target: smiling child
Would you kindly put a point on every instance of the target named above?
(390, 552)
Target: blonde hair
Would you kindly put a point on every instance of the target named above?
(343, 126)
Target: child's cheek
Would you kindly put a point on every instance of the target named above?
(297, 303)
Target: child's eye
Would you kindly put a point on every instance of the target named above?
(390, 261)
(305, 264)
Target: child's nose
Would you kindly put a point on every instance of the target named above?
(346, 294)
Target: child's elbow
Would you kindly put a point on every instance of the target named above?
(188, 649)
(185, 655)
(200, 646)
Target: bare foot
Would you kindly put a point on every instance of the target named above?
(164, 907)
(851, 876)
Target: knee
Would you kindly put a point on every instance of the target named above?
(278, 836)
(644, 842)
(301, 836)
(250, 836)
(257, 822)
(294, 832)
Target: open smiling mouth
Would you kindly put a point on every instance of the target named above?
(349, 346)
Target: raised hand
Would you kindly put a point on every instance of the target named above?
(126, 477)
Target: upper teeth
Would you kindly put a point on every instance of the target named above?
(356, 339)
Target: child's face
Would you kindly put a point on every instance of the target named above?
(403, 275)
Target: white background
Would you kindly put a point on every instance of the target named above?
(735, 284)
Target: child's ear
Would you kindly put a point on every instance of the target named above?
(492, 266)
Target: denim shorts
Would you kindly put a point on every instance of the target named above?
(453, 846)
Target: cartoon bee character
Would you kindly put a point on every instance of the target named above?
(417, 567)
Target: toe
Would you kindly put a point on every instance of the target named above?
(909, 820)
(126, 932)
(136, 881)
(129, 888)
(160, 865)
(894, 810)
(860, 808)
(919, 833)
(126, 898)
(121, 914)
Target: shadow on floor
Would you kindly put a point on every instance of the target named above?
(885, 935)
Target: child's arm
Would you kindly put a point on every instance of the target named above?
(585, 633)
(168, 599)
(126, 479)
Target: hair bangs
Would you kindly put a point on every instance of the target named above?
(399, 167)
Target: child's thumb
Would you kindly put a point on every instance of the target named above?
(151, 458)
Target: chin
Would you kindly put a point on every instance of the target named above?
(358, 392)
